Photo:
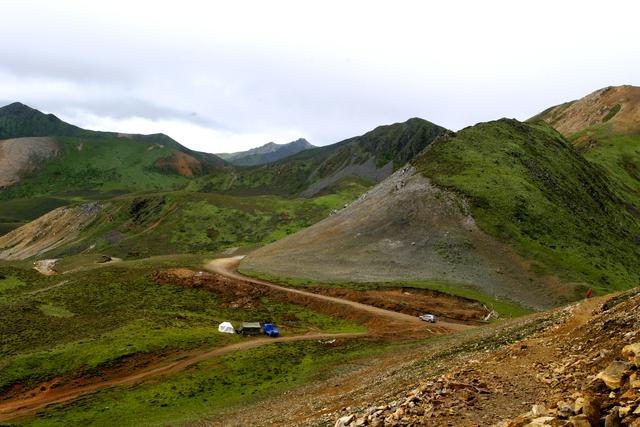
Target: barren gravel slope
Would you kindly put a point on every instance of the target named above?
(405, 229)
(48, 232)
(23, 155)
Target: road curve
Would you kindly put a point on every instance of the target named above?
(227, 267)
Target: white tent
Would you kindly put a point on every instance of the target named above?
(226, 328)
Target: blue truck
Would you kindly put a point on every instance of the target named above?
(271, 330)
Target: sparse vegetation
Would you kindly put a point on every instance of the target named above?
(612, 112)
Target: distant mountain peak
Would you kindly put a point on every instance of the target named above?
(267, 153)
(20, 120)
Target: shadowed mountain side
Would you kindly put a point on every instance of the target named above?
(405, 229)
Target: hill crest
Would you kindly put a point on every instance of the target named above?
(614, 106)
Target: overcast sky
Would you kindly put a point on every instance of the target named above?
(231, 75)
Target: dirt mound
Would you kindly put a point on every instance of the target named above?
(233, 293)
(406, 229)
(20, 156)
(616, 105)
(56, 228)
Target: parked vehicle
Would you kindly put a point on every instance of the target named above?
(249, 328)
(428, 318)
(270, 330)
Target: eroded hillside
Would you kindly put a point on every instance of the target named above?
(57, 228)
(21, 156)
(404, 229)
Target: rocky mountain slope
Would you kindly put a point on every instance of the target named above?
(267, 153)
(580, 369)
(52, 230)
(506, 208)
(404, 229)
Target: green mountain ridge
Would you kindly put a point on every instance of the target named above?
(370, 157)
(95, 162)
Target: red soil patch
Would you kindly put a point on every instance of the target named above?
(180, 163)
(412, 301)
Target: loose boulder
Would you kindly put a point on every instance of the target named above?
(613, 376)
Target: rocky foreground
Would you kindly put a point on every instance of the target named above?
(582, 371)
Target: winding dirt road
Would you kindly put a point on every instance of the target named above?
(31, 401)
(227, 267)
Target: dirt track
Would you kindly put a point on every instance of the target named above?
(511, 372)
(226, 267)
(27, 404)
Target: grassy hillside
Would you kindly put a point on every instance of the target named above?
(605, 127)
(619, 155)
(391, 145)
(97, 320)
(98, 166)
(528, 186)
(144, 224)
